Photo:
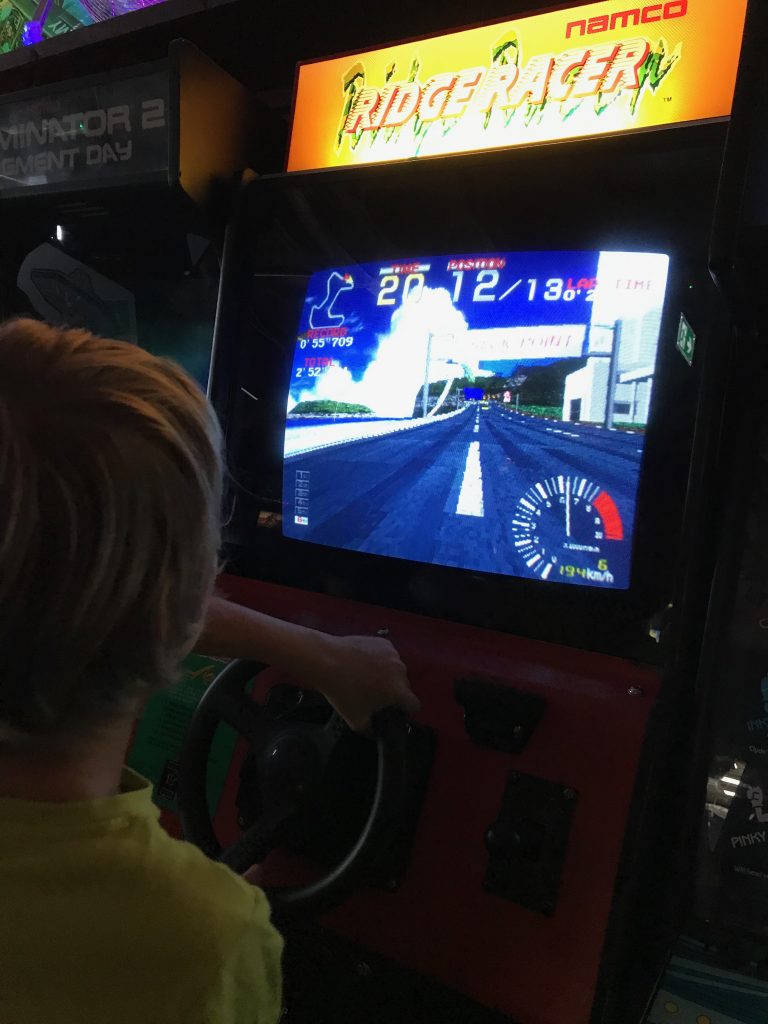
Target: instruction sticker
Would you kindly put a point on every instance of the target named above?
(160, 735)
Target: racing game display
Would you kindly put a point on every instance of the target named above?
(485, 412)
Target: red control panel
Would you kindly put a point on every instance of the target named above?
(539, 968)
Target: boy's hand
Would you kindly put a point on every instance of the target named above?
(255, 875)
(360, 675)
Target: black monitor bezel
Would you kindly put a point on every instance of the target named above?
(608, 620)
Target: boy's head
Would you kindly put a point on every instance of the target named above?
(110, 483)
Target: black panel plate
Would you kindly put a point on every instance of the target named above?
(528, 841)
(498, 717)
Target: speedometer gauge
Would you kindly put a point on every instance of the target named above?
(564, 529)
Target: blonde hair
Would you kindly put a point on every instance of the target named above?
(110, 489)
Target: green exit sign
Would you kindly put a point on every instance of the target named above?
(686, 340)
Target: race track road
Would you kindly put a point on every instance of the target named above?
(447, 492)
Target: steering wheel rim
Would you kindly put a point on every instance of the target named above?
(389, 728)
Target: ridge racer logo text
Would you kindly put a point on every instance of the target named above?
(573, 75)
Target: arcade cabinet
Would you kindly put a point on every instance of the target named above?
(729, 919)
(114, 192)
(471, 366)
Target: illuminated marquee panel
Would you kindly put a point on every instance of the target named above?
(592, 70)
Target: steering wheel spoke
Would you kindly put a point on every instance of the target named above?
(265, 835)
(244, 715)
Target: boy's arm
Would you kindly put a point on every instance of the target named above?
(358, 675)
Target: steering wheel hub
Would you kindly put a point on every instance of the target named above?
(289, 769)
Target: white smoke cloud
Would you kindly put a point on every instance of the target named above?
(396, 372)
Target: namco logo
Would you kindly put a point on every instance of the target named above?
(623, 19)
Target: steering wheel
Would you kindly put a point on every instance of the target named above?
(291, 756)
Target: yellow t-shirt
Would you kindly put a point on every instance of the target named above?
(104, 919)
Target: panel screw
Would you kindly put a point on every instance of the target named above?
(391, 884)
(547, 907)
(569, 794)
(517, 731)
(635, 691)
(363, 970)
(384, 631)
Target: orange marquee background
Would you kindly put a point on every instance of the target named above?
(700, 52)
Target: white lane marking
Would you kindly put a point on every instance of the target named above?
(471, 494)
(477, 429)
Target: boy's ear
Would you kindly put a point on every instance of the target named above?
(166, 629)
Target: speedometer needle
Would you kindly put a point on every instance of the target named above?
(568, 506)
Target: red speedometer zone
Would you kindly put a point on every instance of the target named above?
(609, 513)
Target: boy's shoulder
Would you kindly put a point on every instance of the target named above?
(166, 934)
(171, 871)
(216, 924)
(178, 876)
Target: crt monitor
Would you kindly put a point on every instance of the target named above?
(480, 411)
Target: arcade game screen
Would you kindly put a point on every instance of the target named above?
(26, 23)
(485, 412)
